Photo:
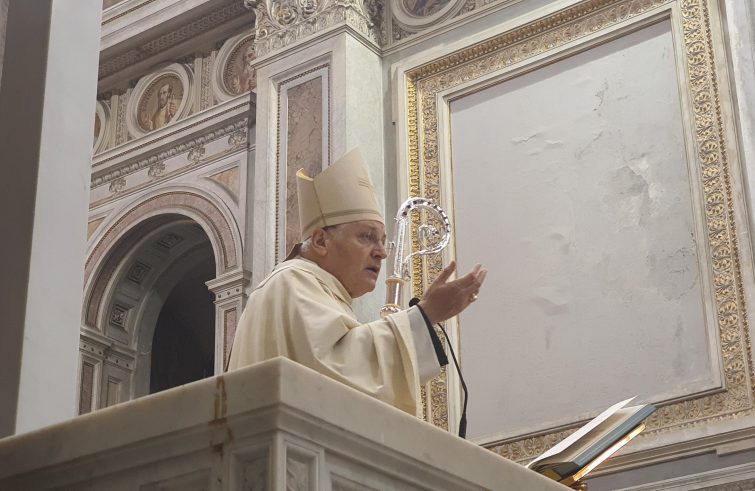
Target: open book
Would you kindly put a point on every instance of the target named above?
(579, 453)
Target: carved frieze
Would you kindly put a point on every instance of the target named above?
(156, 170)
(121, 134)
(226, 11)
(117, 185)
(238, 139)
(107, 176)
(196, 154)
(206, 99)
(279, 23)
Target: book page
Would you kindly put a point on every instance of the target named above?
(566, 442)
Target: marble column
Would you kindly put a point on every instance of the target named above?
(47, 106)
(319, 87)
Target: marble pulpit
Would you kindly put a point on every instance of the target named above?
(272, 426)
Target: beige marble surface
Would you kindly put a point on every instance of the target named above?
(303, 146)
(271, 425)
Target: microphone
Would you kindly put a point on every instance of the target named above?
(463, 420)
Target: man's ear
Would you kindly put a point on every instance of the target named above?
(319, 242)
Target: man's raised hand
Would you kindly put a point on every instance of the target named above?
(445, 299)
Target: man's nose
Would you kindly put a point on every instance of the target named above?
(380, 251)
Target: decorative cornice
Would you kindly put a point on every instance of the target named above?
(746, 485)
(280, 23)
(229, 285)
(103, 348)
(227, 11)
(106, 19)
(127, 168)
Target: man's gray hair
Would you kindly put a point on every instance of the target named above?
(306, 244)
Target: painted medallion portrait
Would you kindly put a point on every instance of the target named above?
(424, 8)
(159, 104)
(238, 75)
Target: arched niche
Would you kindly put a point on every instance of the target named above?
(131, 271)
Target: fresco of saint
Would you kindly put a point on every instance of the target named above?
(160, 103)
(240, 77)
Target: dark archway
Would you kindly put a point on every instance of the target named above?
(183, 346)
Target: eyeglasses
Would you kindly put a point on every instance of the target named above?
(372, 239)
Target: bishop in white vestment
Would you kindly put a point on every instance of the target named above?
(302, 310)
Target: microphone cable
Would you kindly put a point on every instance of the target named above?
(463, 420)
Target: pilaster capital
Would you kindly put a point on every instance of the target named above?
(279, 23)
(230, 285)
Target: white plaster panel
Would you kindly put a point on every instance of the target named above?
(575, 177)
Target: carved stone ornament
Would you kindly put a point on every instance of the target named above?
(196, 154)
(237, 139)
(131, 167)
(138, 271)
(280, 23)
(118, 315)
(568, 26)
(117, 185)
(156, 170)
(297, 475)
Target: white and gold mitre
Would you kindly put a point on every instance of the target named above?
(342, 193)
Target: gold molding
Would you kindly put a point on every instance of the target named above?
(545, 35)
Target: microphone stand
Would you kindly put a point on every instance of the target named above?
(463, 420)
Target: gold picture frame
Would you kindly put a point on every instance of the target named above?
(426, 83)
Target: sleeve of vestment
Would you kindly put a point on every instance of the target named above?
(440, 353)
(425, 339)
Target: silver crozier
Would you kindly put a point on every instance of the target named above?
(431, 241)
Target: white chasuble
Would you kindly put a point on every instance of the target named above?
(304, 313)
